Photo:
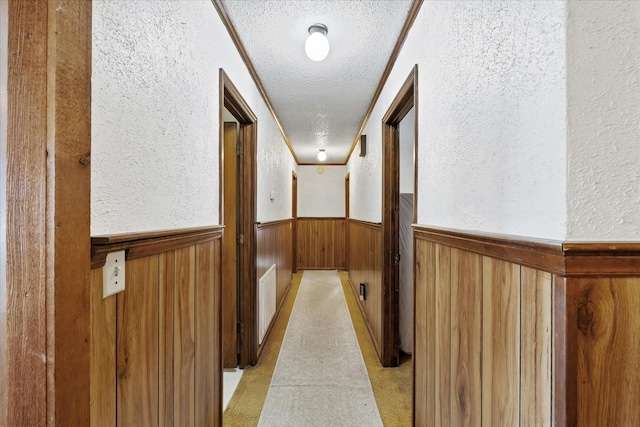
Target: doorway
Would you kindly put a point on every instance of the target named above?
(346, 219)
(237, 214)
(404, 102)
(294, 222)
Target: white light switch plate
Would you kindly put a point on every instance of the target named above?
(113, 274)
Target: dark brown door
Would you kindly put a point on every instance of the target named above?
(294, 215)
(346, 220)
(230, 249)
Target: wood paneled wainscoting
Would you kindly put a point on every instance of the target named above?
(321, 243)
(365, 266)
(274, 242)
(156, 346)
(525, 332)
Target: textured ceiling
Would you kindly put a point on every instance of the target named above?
(320, 104)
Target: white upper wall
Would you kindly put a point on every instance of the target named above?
(603, 68)
(491, 119)
(155, 113)
(321, 195)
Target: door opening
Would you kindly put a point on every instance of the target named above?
(294, 215)
(237, 192)
(404, 102)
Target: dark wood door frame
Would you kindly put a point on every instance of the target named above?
(231, 99)
(405, 100)
(294, 223)
(347, 181)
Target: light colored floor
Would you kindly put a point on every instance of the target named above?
(230, 380)
(320, 378)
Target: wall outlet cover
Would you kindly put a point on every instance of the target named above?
(113, 274)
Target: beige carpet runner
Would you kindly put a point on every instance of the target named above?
(320, 378)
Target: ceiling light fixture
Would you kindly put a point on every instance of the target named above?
(317, 44)
(322, 155)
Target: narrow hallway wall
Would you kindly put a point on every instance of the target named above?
(155, 114)
(491, 119)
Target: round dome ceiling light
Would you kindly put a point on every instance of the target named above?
(317, 44)
(322, 155)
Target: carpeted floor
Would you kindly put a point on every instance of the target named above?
(320, 378)
(391, 386)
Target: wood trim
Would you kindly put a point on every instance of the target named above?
(232, 99)
(254, 75)
(140, 245)
(535, 253)
(374, 225)
(321, 218)
(44, 307)
(411, 17)
(321, 164)
(403, 102)
(593, 259)
(568, 259)
(269, 224)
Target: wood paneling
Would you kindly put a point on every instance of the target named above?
(207, 335)
(137, 345)
(103, 354)
(422, 382)
(166, 303)
(320, 243)
(442, 373)
(524, 346)
(274, 241)
(608, 350)
(535, 347)
(500, 342)
(365, 258)
(166, 327)
(466, 338)
(184, 338)
(541, 254)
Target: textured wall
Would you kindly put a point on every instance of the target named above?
(603, 90)
(155, 135)
(491, 119)
(321, 195)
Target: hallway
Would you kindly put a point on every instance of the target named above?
(525, 219)
(391, 386)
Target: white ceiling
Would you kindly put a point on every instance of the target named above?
(319, 104)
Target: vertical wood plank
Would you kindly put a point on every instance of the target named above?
(137, 344)
(466, 338)
(501, 343)
(205, 346)
(23, 380)
(184, 335)
(217, 331)
(165, 345)
(68, 212)
(608, 350)
(103, 355)
(424, 277)
(365, 249)
(443, 337)
(535, 386)
(564, 387)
